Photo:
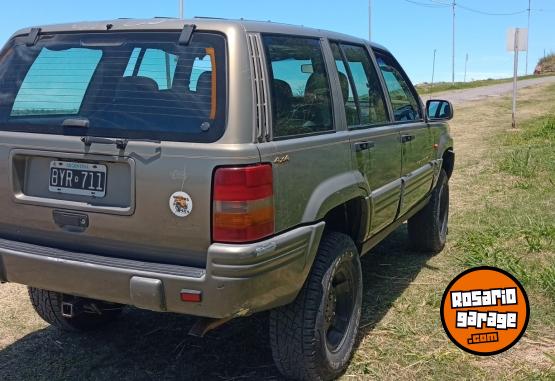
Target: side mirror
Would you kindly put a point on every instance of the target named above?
(438, 109)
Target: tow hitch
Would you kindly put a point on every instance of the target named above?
(77, 306)
(67, 310)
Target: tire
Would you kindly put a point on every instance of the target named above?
(429, 227)
(313, 338)
(88, 314)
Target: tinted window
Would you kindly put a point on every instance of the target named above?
(403, 100)
(155, 64)
(351, 106)
(300, 87)
(353, 62)
(200, 66)
(134, 85)
(73, 69)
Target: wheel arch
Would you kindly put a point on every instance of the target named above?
(350, 218)
(342, 202)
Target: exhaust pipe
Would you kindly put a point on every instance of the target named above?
(204, 325)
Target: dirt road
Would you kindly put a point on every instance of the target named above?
(458, 97)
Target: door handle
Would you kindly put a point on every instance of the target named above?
(363, 146)
(407, 138)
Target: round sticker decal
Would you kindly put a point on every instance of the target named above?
(181, 204)
(485, 311)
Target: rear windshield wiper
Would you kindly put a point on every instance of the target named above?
(119, 143)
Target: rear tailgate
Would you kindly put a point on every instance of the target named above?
(108, 142)
(136, 219)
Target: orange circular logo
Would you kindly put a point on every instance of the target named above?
(485, 311)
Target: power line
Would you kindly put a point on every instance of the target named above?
(427, 5)
(444, 4)
(491, 13)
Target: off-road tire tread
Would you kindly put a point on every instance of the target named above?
(291, 344)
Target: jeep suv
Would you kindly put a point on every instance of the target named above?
(213, 168)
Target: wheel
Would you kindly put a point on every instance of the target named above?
(428, 228)
(313, 338)
(87, 314)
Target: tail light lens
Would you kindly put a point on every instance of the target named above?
(243, 204)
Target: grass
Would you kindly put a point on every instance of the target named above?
(427, 88)
(502, 214)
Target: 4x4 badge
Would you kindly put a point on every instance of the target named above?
(281, 159)
(181, 204)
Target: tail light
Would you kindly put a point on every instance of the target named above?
(243, 204)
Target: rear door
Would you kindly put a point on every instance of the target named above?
(107, 142)
(306, 150)
(375, 143)
(416, 136)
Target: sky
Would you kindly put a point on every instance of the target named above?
(411, 29)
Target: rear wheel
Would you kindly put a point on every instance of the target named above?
(72, 313)
(313, 338)
(428, 228)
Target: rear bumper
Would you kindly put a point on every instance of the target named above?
(238, 279)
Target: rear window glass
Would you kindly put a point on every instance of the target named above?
(301, 96)
(128, 85)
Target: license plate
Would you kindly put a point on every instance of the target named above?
(77, 178)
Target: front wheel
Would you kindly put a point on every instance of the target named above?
(313, 338)
(428, 228)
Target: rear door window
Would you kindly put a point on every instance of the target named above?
(135, 85)
(301, 99)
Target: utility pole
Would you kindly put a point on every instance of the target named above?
(370, 20)
(465, 66)
(181, 9)
(433, 73)
(528, 45)
(515, 77)
(453, 59)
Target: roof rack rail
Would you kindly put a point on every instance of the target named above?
(210, 18)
